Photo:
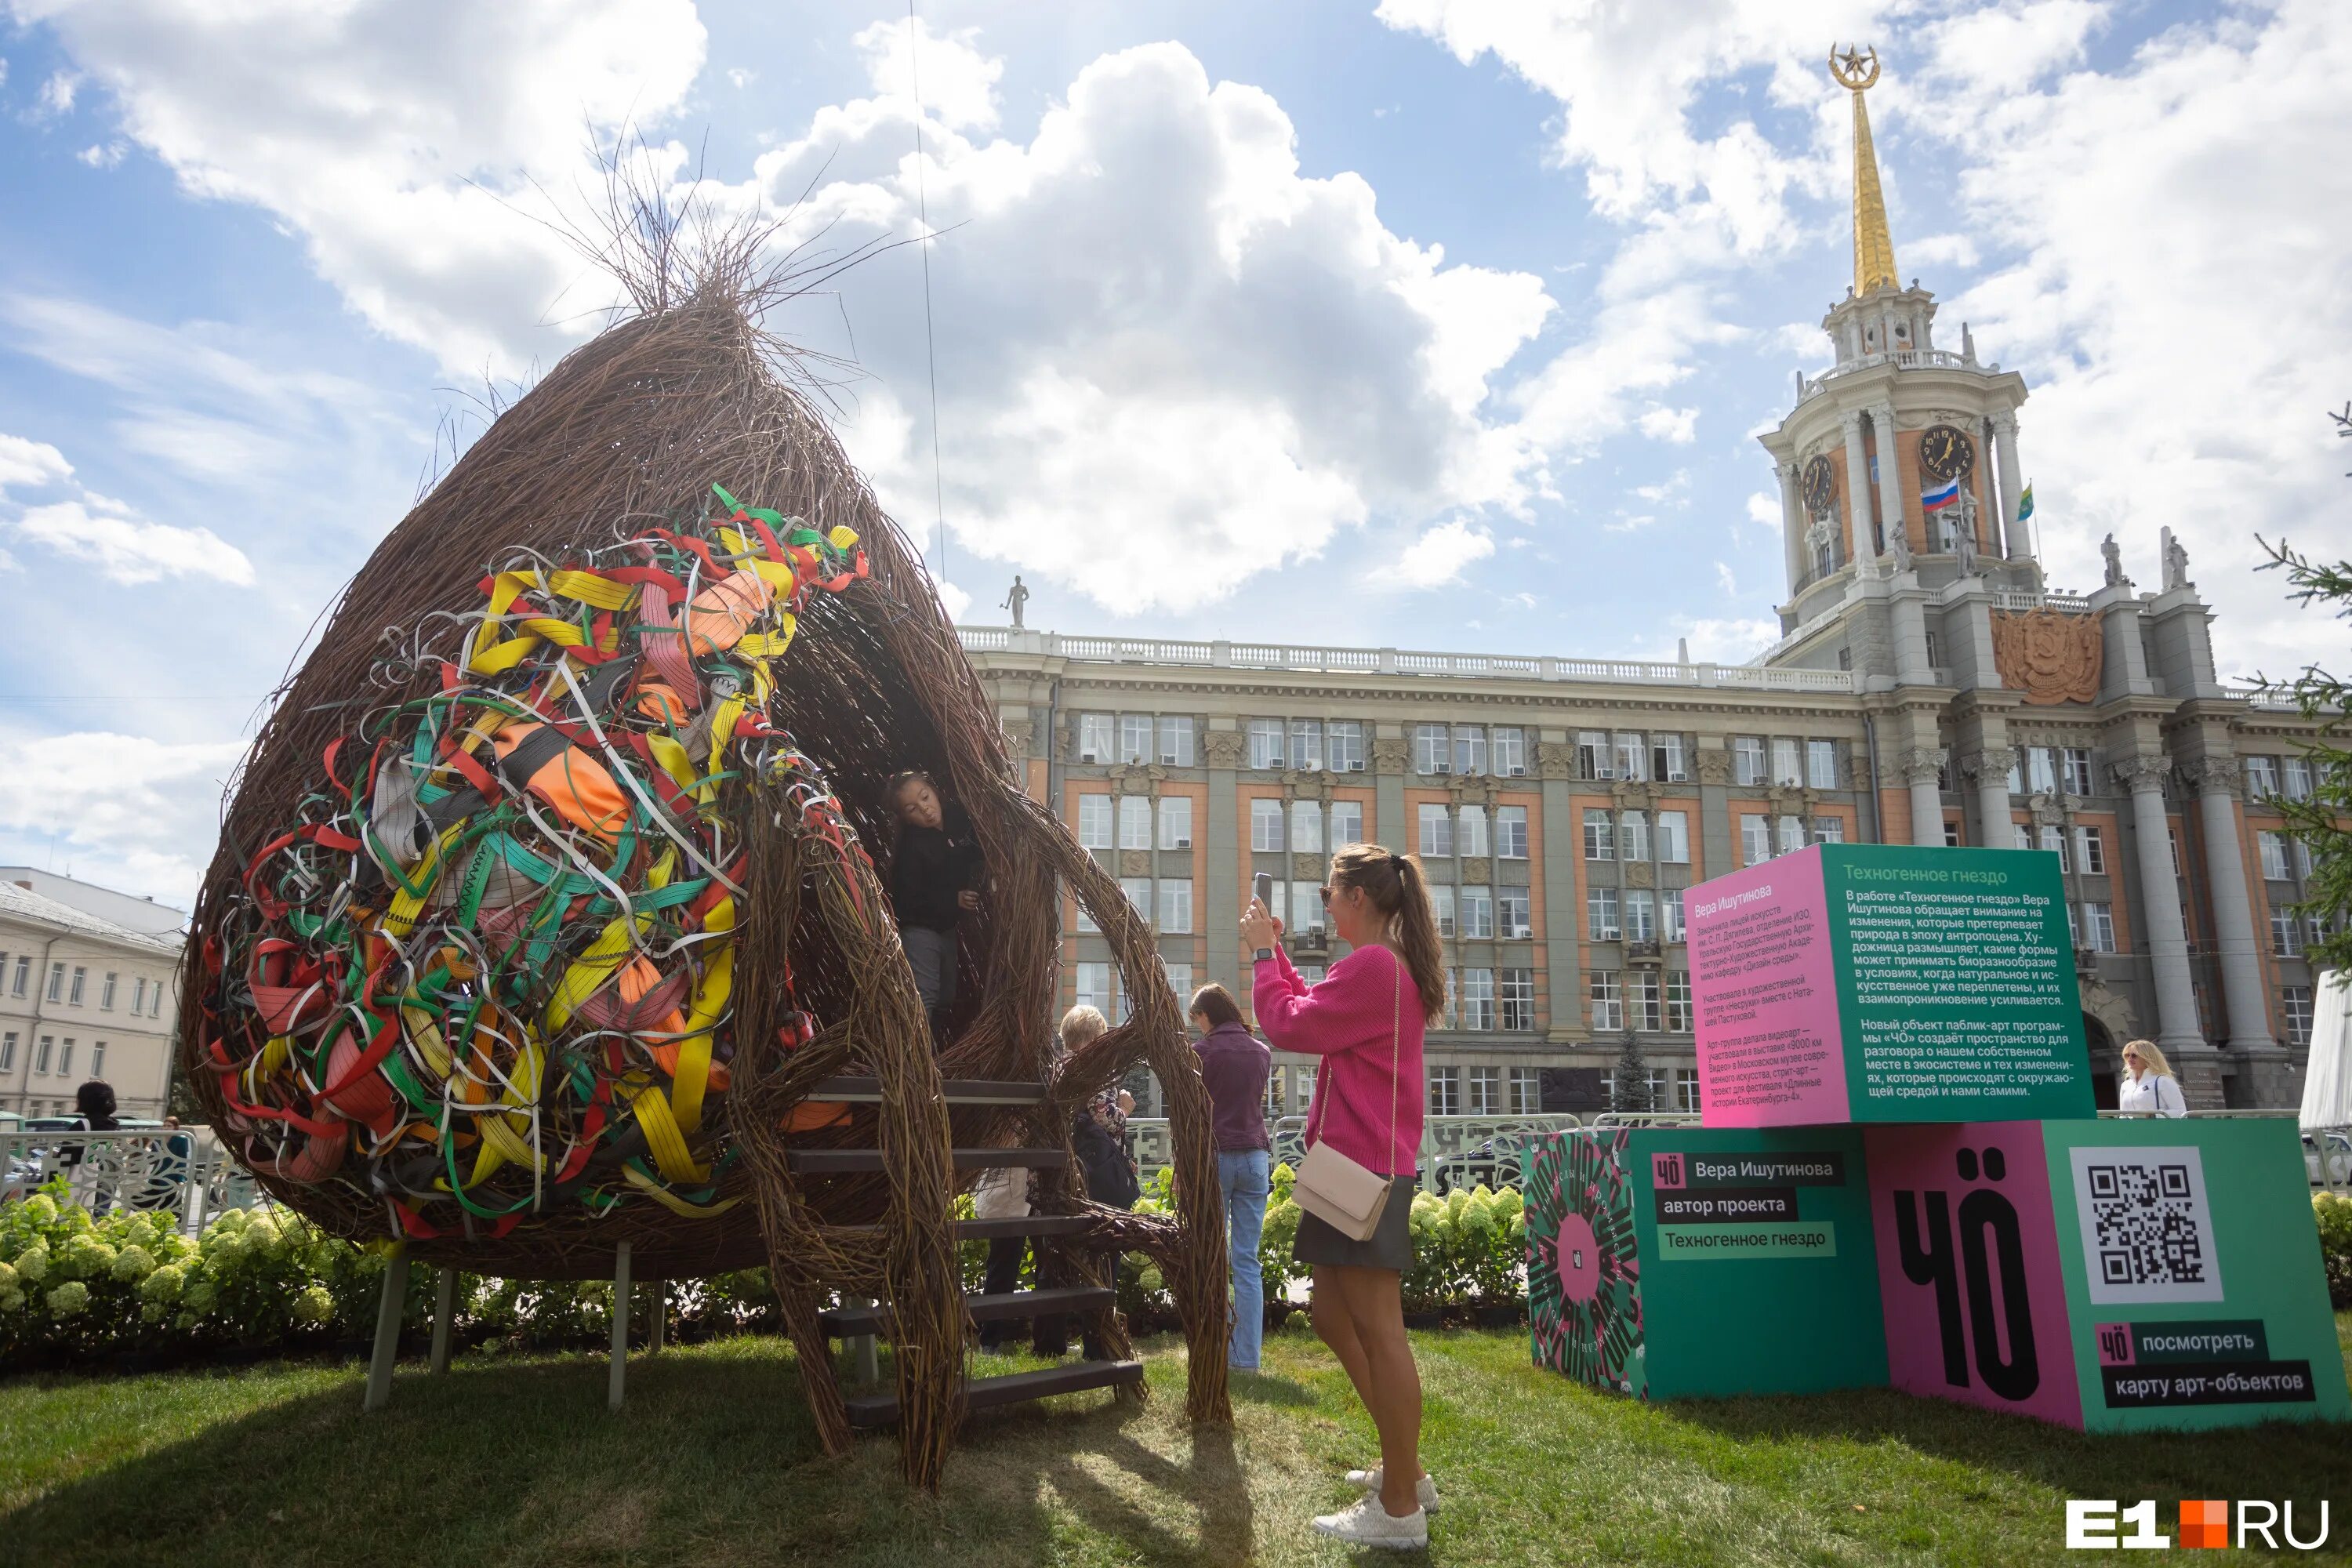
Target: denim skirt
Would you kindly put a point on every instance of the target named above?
(1389, 1246)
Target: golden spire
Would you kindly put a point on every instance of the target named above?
(1874, 246)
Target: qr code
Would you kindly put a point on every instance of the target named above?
(2147, 1232)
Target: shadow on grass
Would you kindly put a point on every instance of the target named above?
(713, 1461)
(1266, 1388)
(2303, 1459)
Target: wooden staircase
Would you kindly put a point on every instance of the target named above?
(1060, 1255)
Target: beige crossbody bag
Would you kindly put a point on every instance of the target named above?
(1335, 1189)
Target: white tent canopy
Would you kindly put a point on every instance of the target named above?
(2328, 1076)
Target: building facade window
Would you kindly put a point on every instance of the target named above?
(2091, 851)
(1478, 999)
(1345, 740)
(1266, 825)
(1441, 909)
(1511, 914)
(1678, 1001)
(1642, 1000)
(1306, 898)
(1134, 822)
(1634, 835)
(106, 992)
(1485, 1085)
(1608, 999)
(1134, 737)
(1632, 757)
(24, 971)
(1755, 840)
(1600, 836)
(1670, 914)
(2077, 762)
(139, 986)
(2273, 849)
(1346, 823)
(2261, 776)
(42, 1054)
(1601, 914)
(1444, 1092)
(1829, 830)
(1785, 768)
(1674, 837)
(65, 1057)
(1432, 749)
(2099, 926)
(1526, 1091)
(2286, 934)
(2295, 1001)
(1094, 987)
(1139, 895)
(1478, 913)
(1516, 989)
(98, 1058)
(1669, 758)
(1264, 743)
(2053, 840)
(1687, 1088)
(1095, 731)
(1469, 748)
(1792, 834)
(56, 982)
(1176, 904)
(1508, 751)
(1175, 822)
(8, 1051)
(1307, 744)
(1436, 830)
(1307, 826)
(1511, 832)
(1820, 765)
(1176, 742)
(1748, 759)
(2298, 778)
(1470, 832)
(1641, 915)
(1592, 758)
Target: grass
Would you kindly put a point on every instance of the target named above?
(515, 1460)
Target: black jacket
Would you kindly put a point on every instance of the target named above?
(930, 867)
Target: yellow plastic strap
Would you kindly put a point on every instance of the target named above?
(722, 736)
(671, 1201)
(590, 589)
(710, 1004)
(843, 538)
(663, 1137)
(491, 656)
(768, 645)
(673, 757)
(426, 1034)
(400, 919)
(777, 574)
(590, 969)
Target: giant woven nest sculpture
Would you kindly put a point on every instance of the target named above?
(548, 892)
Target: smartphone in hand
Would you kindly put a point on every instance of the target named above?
(1262, 885)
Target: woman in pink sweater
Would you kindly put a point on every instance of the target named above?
(1365, 1020)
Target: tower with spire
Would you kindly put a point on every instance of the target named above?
(1900, 486)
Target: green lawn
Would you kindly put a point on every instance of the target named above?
(517, 1461)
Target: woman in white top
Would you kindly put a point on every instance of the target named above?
(2149, 1087)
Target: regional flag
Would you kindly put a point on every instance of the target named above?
(1948, 494)
(2025, 502)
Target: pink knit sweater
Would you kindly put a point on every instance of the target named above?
(1364, 1008)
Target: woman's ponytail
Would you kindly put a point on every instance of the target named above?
(1399, 891)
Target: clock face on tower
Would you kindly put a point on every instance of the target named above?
(1820, 485)
(1945, 453)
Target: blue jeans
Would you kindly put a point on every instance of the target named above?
(1244, 1175)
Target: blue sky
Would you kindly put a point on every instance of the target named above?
(1441, 323)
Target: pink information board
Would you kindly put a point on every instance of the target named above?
(1766, 987)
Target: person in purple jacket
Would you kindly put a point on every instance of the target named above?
(1233, 1065)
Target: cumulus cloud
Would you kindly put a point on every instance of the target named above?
(406, 145)
(126, 548)
(1166, 360)
(955, 81)
(1727, 641)
(27, 463)
(1439, 556)
(127, 811)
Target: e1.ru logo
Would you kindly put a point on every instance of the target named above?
(2095, 1525)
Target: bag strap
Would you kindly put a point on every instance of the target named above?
(1396, 1048)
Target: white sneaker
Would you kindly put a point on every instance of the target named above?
(1370, 1481)
(1369, 1524)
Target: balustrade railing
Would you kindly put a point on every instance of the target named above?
(1396, 661)
(183, 1171)
(1454, 1149)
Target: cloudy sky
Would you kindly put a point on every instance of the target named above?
(1441, 323)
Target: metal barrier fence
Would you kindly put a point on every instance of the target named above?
(1454, 1149)
(183, 1170)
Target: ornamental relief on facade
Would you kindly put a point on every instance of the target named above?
(1390, 754)
(1306, 783)
(1714, 766)
(1471, 790)
(1477, 869)
(1137, 778)
(1306, 867)
(1555, 759)
(1135, 862)
(2049, 656)
(1017, 734)
(1224, 748)
(1639, 873)
(2216, 775)
(1920, 766)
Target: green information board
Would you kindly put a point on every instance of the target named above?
(1683, 1262)
(1874, 983)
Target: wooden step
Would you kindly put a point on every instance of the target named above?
(866, 1091)
(872, 1410)
(850, 1161)
(992, 1229)
(848, 1322)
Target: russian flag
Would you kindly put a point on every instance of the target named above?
(1936, 499)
